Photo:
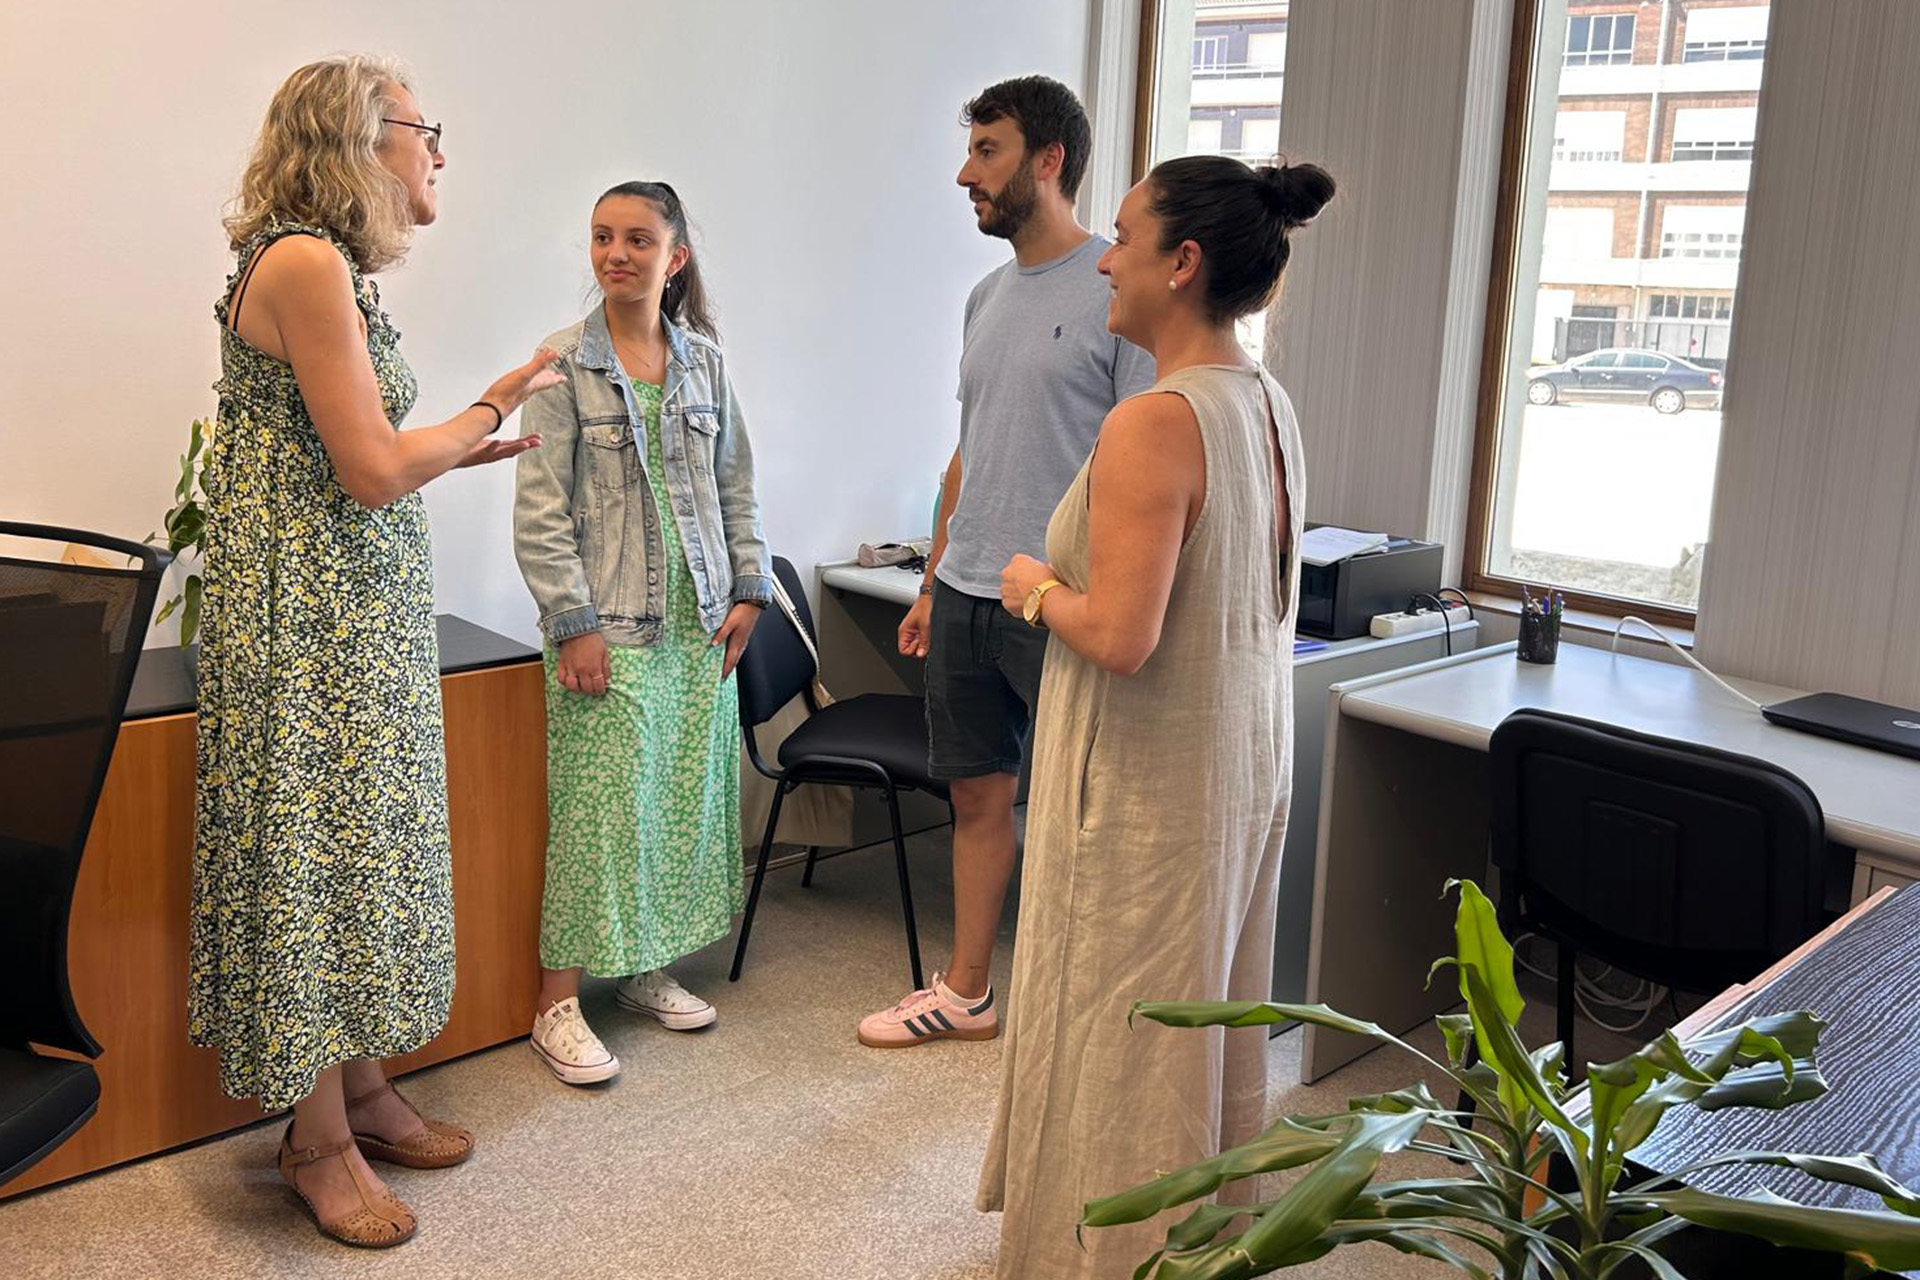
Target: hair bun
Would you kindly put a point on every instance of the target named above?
(1296, 192)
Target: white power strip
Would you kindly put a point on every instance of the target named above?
(1387, 625)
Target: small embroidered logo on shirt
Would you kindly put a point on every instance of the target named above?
(1056, 332)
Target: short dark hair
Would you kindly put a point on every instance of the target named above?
(1047, 112)
(1240, 218)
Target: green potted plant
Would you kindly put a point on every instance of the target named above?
(1499, 1217)
(185, 527)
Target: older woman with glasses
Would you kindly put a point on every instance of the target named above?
(323, 894)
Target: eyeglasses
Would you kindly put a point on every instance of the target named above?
(431, 130)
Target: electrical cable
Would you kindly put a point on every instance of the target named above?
(1589, 997)
(1683, 653)
(1445, 621)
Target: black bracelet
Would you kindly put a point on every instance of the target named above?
(498, 417)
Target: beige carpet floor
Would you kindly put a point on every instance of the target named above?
(771, 1147)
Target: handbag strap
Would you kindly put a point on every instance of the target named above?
(781, 598)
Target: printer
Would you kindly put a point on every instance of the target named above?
(1338, 601)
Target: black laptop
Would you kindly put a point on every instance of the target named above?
(1855, 720)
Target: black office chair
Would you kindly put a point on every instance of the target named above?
(69, 641)
(875, 740)
(1687, 866)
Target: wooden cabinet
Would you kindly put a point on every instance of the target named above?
(128, 942)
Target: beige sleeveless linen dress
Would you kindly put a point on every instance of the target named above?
(1154, 830)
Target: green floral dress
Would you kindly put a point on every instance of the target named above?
(643, 786)
(322, 911)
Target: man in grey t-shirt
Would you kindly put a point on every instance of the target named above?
(1038, 374)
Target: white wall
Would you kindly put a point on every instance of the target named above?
(815, 145)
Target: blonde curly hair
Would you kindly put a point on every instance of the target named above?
(314, 161)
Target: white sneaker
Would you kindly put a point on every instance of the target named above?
(657, 995)
(568, 1046)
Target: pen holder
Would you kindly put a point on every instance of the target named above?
(1539, 637)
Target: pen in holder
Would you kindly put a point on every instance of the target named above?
(1539, 627)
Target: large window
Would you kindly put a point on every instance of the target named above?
(1595, 40)
(1701, 231)
(1622, 211)
(1734, 34)
(1212, 74)
(1713, 133)
(1580, 136)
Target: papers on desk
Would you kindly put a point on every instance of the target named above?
(1330, 545)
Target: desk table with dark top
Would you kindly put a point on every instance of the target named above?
(128, 940)
(1864, 981)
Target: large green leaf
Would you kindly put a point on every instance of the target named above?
(1408, 1238)
(1457, 1030)
(1286, 1145)
(190, 613)
(1660, 1267)
(1615, 1087)
(1415, 1097)
(186, 525)
(1767, 1086)
(1464, 1193)
(1750, 1064)
(1265, 1013)
(1309, 1207)
(1500, 1045)
(1645, 1238)
(1478, 941)
(1861, 1171)
(1409, 1204)
(1798, 1033)
(1890, 1241)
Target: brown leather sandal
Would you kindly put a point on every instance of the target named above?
(437, 1146)
(381, 1221)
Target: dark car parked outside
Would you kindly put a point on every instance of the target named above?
(1620, 374)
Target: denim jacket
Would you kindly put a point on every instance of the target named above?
(587, 531)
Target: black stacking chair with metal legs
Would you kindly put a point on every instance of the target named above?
(1687, 866)
(69, 641)
(876, 741)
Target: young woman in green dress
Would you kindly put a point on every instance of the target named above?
(638, 532)
(322, 914)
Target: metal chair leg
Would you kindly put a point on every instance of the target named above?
(906, 891)
(1564, 1009)
(759, 875)
(813, 856)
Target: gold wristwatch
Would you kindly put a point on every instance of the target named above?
(1031, 612)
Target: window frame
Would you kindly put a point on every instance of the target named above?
(1145, 87)
(1497, 345)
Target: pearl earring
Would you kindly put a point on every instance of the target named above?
(1173, 284)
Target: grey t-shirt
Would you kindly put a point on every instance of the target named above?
(1038, 374)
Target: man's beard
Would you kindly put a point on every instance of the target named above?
(1012, 209)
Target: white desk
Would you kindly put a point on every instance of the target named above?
(860, 612)
(1404, 806)
(889, 582)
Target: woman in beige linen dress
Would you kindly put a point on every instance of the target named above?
(1164, 745)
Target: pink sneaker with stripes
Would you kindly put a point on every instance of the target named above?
(933, 1014)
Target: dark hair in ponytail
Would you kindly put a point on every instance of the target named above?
(1240, 218)
(685, 299)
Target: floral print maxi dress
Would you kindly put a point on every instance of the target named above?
(322, 914)
(643, 785)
